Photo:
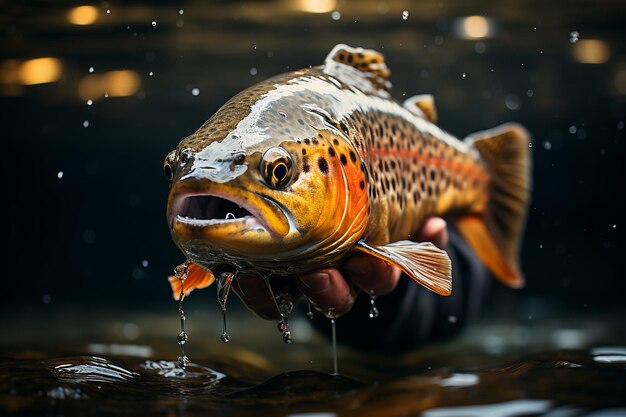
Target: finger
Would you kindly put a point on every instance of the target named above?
(253, 291)
(372, 275)
(327, 289)
(435, 230)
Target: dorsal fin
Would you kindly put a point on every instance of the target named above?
(362, 68)
(422, 105)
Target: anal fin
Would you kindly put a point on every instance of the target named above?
(423, 262)
(197, 278)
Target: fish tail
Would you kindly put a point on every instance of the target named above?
(495, 233)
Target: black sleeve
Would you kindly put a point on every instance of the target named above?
(412, 315)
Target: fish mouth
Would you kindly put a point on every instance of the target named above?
(220, 213)
(206, 210)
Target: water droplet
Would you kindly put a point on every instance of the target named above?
(181, 271)
(572, 129)
(108, 11)
(451, 319)
(151, 73)
(154, 23)
(333, 323)
(530, 93)
(335, 15)
(373, 313)
(405, 15)
(541, 246)
(91, 69)
(530, 144)
(181, 11)
(144, 263)
(615, 226)
(224, 282)
(573, 36)
(230, 216)
(182, 338)
(512, 102)
(620, 125)
(253, 71)
(86, 124)
(195, 92)
(547, 145)
(46, 299)
(60, 174)
(309, 313)
(282, 326)
(463, 75)
(183, 362)
(89, 102)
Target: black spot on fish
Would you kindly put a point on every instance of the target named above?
(301, 121)
(335, 142)
(344, 128)
(305, 166)
(352, 157)
(303, 151)
(362, 184)
(307, 141)
(323, 165)
(343, 159)
(331, 152)
(316, 142)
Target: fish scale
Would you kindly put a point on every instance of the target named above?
(325, 163)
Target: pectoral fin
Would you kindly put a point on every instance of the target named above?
(423, 262)
(197, 277)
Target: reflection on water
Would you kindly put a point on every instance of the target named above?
(466, 377)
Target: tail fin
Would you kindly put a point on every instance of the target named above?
(495, 236)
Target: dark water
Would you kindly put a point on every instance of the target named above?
(549, 368)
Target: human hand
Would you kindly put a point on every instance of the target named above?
(329, 288)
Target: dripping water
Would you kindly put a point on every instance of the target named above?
(285, 307)
(309, 313)
(333, 323)
(224, 283)
(181, 272)
(373, 313)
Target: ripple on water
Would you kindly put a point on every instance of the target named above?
(92, 369)
(170, 369)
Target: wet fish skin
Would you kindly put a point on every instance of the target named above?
(325, 163)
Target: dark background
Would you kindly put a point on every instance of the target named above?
(78, 242)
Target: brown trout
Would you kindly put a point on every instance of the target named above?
(301, 170)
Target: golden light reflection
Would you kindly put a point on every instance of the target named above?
(82, 15)
(620, 81)
(39, 71)
(591, 51)
(10, 71)
(316, 6)
(121, 83)
(473, 27)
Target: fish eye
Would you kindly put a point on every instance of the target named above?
(167, 166)
(276, 167)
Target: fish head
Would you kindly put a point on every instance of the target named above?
(274, 191)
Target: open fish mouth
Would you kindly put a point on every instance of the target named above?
(204, 210)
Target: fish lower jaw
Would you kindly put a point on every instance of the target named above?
(246, 221)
